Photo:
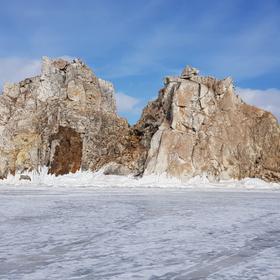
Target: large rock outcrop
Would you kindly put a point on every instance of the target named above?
(200, 127)
(65, 119)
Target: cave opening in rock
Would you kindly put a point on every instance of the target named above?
(67, 156)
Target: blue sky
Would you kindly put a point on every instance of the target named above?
(135, 44)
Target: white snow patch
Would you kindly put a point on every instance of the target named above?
(99, 180)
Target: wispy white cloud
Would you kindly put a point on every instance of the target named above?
(14, 69)
(250, 53)
(209, 42)
(127, 104)
(268, 99)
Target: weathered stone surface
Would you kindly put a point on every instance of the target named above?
(189, 72)
(11, 90)
(114, 168)
(203, 128)
(64, 119)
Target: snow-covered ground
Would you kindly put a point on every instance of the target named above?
(197, 231)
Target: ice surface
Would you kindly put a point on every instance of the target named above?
(82, 232)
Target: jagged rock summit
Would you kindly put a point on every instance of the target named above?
(204, 128)
(65, 119)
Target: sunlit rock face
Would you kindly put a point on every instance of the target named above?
(64, 119)
(203, 128)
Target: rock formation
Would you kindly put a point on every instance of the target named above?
(65, 119)
(203, 128)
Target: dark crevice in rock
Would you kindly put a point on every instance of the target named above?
(68, 151)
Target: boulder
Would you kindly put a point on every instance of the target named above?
(189, 72)
(116, 169)
(24, 178)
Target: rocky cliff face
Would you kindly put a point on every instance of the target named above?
(203, 128)
(66, 119)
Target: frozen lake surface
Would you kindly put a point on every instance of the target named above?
(84, 233)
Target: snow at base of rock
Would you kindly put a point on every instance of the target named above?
(99, 180)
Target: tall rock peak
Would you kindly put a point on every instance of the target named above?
(201, 127)
(66, 109)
